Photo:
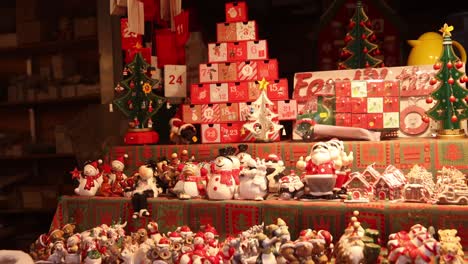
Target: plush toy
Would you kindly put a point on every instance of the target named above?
(144, 187)
(90, 180)
(181, 132)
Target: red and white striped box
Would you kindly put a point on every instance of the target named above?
(191, 113)
(226, 32)
(229, 112)
(267, 69)
(247, 71)
(217, 52)
(287, 110)
(208, 72)
(238, 92)
(257, 50)
(227, 72)
(200, 93)
(231, 132)
(237, 51)
(219, 93)
(210, 114)
(244, 111)
(278, 90)
(236, 11)
(254, 92)
(210, 133)
(246, 30)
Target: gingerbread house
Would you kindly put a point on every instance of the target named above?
(358, 187)
(370, 174)
(415, 192)
(388, 187)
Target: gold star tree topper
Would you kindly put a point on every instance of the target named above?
(446, 30)
(263, 84)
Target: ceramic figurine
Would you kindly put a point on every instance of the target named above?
(341, 160)
(117, 176)
(90, 180)
(320, 174)
(144, 187)
(275, 171)
(290, 187)
(73, 249)
(221, 183)
(266, 248)
(236, 164)
(153, 231)
(58, 252)
(190, 183)
(243, 155)
(253, 181)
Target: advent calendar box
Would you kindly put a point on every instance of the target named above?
(237, 51)
(191, 114)
(210, 133)
(238, 92)
(236, 31)
(200, 93)
(128, 39)
(236, 12)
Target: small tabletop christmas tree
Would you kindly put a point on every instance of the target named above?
(138, 102)
(451, 98)
(262, 122)
(359, 49)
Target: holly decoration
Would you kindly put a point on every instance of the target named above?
(451, 106)
(359, 49)
(138, 102)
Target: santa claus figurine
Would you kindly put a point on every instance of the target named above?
(320, 176)
(341, 161)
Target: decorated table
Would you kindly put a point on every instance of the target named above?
(232, 216)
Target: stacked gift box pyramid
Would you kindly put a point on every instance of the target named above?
(229, 82)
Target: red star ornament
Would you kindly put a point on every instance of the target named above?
(75, 174)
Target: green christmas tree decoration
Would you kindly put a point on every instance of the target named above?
(450, 96)
(138, 102)
(359, 50)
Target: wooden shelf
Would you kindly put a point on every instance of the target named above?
(6, 232)
(28, 211)
(38, 156)
(92, 98)
(50, 47)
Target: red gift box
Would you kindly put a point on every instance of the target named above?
(247, 70)
(191, 113)
(210, 133)
(343, 104)
(391, 104)
(217, 52)
(200, 93)
(374, 121)
(343, 88)
(208, 72)
(236, 11)
(268, 69)
(226, 32)
(237, 51)
(254, 92)
(358, 105)
(257, 50)
(375, 88)
(128, 39)
(218, 92)
(343, 119)
(231, 132)
(229, 112)
(359, 120)
(238, 92)
(278, 90)
(227, 72)
(210, 113)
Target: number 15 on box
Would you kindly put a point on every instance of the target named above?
(175, 83)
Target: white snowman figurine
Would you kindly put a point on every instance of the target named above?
(221, 183)
(90, 180)
(242, 155)
(253, 181)
(190, 181)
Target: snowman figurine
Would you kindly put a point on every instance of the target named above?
(253, 181)
(221, 183)
(242, 155)
(90, 180)
(144, 187)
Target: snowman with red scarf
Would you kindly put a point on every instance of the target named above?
(90, 180)
(221, 183)
(320, 176)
